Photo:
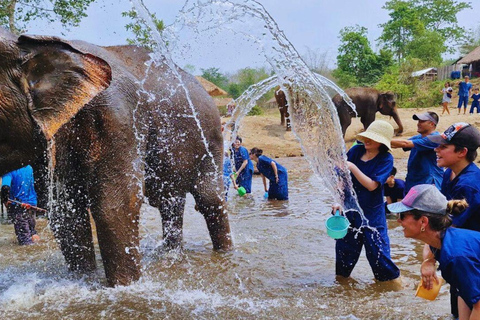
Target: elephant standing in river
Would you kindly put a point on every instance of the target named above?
(367, 102)
(107, 136)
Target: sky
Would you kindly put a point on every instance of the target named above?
(313, 24)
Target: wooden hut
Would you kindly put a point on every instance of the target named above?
(429, 74)
(473, 60)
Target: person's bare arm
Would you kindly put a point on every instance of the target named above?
(401, 143)
(428, 268)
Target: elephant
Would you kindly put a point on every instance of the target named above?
(114, 138)
(367, 101)
(282, 103)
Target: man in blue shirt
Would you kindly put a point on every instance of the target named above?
(422, 165)
(464, 89)
(243, 165)
(18, 186)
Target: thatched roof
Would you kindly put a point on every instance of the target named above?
(222, 102)
(211, 88)
(471, 57)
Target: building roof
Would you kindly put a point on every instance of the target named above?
(211, 88)
(424, 71)
(222, 102)
(471, 56)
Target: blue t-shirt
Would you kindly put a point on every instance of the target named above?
(377, 169)
(476, 97)
(459, 260)
(241, 155)
(264, 166)
(21, 185)
(397, 192)
(422, 165)
(464, 88)
(465, 186)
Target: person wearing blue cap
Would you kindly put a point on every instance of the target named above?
(422, 163)
(456, 152)
(425, 214)
(275, 173)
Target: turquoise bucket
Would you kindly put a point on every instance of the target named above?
(337, 226)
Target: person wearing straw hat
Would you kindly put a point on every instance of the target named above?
(425, 214)
(370, 165)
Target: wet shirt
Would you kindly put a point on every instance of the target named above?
(377, 169)
(21, 185)
(241, 155)
(459, 260)
(465, 186)
(264, 166)
(422, 164)
(397, 192)
(464, 88)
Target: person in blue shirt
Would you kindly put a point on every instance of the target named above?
(422, 165)
(18, 185)
(228, 176)
(456, 152)
(475, 102)
(425, 214)
(370, 165)
(243, 165)
(275, 173)
(464, 88)
(394, 189)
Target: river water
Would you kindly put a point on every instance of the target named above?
(282, 267)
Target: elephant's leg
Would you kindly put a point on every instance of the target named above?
(210, 203)
(282, 115)
(344, 117)
(71, 226)
(287, 119)
(116, 210)
(171, 209)
(367, 120)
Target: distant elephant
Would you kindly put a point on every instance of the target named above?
(367, 101)
(282, 103)
(108, 140)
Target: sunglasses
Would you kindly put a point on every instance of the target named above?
(403, 215)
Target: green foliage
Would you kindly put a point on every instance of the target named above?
(223, 110)
(243, 79)
(16, 15)
(141, 31)
(357, 64)
(472, 41)
(413, 22)
(215, 76)
(256, 111)
(427, 47)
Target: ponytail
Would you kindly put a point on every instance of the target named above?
(257, 152)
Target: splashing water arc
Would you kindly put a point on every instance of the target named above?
(314, 119)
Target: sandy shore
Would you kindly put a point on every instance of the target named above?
(265, 132)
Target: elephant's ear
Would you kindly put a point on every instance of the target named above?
(59, 80)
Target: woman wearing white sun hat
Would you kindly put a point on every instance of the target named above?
(370, 164)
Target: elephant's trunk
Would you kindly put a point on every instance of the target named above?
(396, 117)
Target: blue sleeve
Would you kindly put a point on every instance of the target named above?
(423, 144)
(384, 167)
(465, 276)
(472, 196)
(244, 154)
(7, 180)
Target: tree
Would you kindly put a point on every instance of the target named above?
(215, 76)
(472, 41)
(243, 79)
(357, 63)
(16, 15)
(317, 61)
(142, 32)
(428, 48)
(414, 19)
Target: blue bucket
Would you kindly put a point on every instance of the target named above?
(337, 226)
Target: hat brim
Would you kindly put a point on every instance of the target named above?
(375, 137)
(398, 207)
(438, 139)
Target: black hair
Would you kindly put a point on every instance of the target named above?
(471, 153)
(441, 222)
(393, 172)
(239, 139)
(383, 148)
(257, 152)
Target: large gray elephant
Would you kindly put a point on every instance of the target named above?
(367, 101)
(107, 140)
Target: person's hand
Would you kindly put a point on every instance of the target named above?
(26, 206)
(336, 207)
(350, 165)
(428, 272)
(276, 179)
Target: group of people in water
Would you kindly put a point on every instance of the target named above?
(242, 172)
(441, 206)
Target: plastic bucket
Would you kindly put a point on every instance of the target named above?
(241, 191)
(429, 294)
(337, 226)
